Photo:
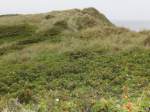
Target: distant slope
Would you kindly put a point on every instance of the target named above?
(72, 20)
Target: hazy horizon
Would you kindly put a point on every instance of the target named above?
(113, 10)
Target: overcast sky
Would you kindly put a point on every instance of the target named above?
(113, 9)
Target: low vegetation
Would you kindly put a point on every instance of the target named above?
(72, 61)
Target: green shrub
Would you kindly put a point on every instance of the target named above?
(30, 40)
(15, 30)
(25, 96)
(49, 16)
(104, 106)
(79, 54)
(3, 88)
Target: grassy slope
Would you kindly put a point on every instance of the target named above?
(82, 60)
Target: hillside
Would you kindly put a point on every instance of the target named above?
(72, 61)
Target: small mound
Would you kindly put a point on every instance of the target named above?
(57, 22)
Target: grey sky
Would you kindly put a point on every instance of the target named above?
(113, 9)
